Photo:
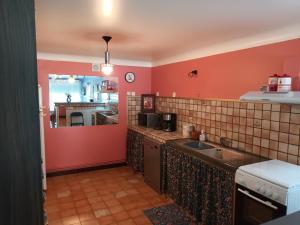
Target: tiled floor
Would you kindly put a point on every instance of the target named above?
(112, 196)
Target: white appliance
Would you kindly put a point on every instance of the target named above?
(270, 189)
(42, 136)
(292, 97)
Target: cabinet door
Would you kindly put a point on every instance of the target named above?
(20, 149)
(152, 164)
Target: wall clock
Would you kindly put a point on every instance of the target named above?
(130, 77)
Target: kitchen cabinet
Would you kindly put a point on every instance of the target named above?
(135, 155)
(135, 150)
(203, 189)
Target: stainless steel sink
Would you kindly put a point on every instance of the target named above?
(198, 145)
(212, 151)
(222, 154)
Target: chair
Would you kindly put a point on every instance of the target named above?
(76, 123)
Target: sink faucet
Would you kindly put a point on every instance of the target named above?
(224, 141)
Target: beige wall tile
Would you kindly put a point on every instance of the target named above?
(295, 118)
(293, 149)
(292, 159)
(267, 107)
(275, 116)
(295, 109)
(285, 117)
(276, 107)
(282, 147)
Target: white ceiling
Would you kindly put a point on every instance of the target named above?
(163, 31)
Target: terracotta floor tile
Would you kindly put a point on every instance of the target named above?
(68, 212)
(90, 222)
(106, 220)
(102, 212)
(112, 202)
(121, 216)
(82, 203)
(57, 222)
(63, 194)
(86, 216)
(92, 200)
(103, 197)
(135, 213)
(53, 208)
(129, 206)
(84, 209)
(126, 222)
(78, 197)
(141, 220)
(98, 205)
(116, 209)
(67, 205)
(108, 197)
(70, 220)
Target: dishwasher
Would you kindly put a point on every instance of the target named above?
(152, 163)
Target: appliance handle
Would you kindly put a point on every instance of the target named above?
(266, 203)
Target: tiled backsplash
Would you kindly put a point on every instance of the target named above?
(133, 108)
(270, 130)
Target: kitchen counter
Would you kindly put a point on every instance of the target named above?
(292, 219)
(105, 117)
(80, 104)
(159, 135)
(233, 159)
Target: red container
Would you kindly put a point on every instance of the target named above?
(273, 82)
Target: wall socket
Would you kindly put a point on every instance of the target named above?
(174, 94)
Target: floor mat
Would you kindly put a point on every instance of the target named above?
(170, 214)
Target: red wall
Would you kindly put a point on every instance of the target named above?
(228, 75)
(76, 147)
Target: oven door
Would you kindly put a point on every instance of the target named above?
(252, 208)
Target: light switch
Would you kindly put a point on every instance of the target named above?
(174, 94)
(157, 93)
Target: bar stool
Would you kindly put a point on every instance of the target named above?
(73, 116)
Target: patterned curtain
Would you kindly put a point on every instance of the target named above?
(205, 190)
(135, 150)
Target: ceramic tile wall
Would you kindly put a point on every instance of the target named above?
(269, 130)
(133, 108)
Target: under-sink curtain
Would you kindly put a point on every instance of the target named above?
(202, 189)
(135, 150)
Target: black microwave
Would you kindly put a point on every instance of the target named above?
(150, 120)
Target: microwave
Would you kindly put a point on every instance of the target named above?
(150, 120)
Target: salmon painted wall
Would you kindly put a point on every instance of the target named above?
(77, 147)
(229, 75)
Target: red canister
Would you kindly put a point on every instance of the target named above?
(273, 82)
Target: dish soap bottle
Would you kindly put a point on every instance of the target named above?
(202, 136)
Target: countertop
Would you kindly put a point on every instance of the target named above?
(78, 103)
(292, 219)
(176, 139)
(159, 135)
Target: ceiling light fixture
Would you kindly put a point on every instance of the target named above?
(106, 67)
(107, 7)
(71, 79)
